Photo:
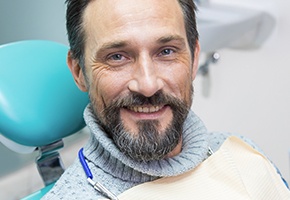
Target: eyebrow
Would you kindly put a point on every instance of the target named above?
(166, 39)
(112, 45)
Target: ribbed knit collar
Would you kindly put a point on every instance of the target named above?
(102, 152)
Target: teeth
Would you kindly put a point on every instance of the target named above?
(147, 109)
(140, 109)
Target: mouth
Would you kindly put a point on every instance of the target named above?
(145, 109)
(133, 114)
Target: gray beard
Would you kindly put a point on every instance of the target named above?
(149, 143)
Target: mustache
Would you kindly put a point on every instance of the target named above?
(136, 99)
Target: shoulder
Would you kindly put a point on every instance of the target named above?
(71, 185)
(216, 139)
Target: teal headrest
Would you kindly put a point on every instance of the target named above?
(39, 101)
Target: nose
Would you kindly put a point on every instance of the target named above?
(146, 79)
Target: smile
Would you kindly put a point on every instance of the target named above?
(145, 109)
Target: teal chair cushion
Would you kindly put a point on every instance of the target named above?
(39, 101)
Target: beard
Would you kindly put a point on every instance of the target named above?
(149, 143)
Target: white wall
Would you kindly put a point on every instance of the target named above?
(249, 91)
(32, 19)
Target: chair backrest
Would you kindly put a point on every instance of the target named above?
(39, 103)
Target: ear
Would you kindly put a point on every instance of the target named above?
(195, 60)
(77, 72)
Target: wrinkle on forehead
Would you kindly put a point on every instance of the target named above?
(131, 21)
(112, 14)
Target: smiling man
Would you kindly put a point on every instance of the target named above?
(137, 59)
(138, 69)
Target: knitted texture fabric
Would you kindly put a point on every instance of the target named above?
(117, 172)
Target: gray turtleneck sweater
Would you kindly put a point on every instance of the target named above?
(117, 172)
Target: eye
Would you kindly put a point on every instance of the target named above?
(116, 57)
(166, 52)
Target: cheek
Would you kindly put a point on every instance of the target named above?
(180, 78)
(185, 85)
(98, 72)
(98, 82)
(106, 85)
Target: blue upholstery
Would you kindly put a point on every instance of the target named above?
(39, 101)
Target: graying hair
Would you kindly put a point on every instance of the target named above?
(76, 33)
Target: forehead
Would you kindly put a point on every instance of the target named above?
(119, 17)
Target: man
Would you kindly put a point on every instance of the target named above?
(137, 60)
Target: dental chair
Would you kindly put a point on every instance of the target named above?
(39, 104)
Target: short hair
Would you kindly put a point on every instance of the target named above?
(76, 33)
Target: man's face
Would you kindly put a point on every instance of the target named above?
(139, 73)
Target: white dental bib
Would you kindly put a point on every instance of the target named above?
(235, 172)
